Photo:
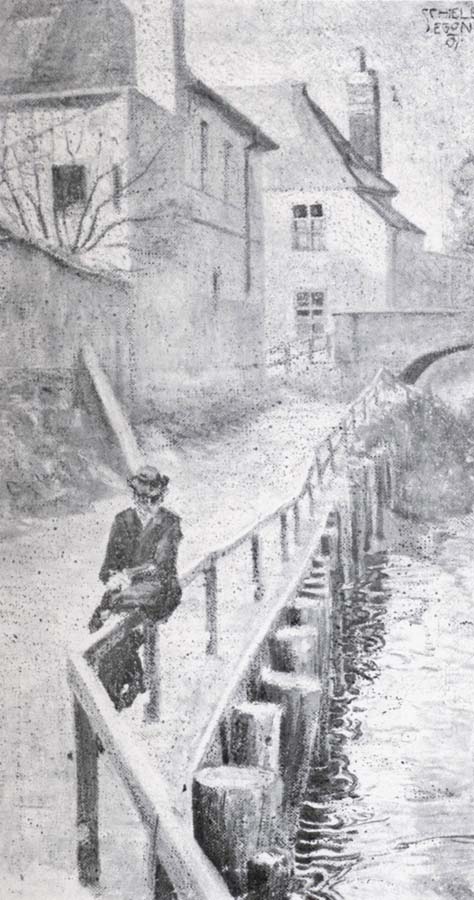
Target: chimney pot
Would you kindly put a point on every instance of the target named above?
(362, 59)
(364, 112)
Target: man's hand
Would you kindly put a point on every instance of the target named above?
(118, 581)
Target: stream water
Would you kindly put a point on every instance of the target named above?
(392, 815)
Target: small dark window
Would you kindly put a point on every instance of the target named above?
(228, 165)
(300, 212)
(204, 148)
(308, 227)
(117, 186)
(69, 186)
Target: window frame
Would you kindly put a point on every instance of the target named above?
(63, 193)
(309, 235)
(315, 303)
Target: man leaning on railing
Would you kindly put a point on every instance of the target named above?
(140, 573)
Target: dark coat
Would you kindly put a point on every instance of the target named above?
(149, 555)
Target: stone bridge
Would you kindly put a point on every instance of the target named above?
(406, 341)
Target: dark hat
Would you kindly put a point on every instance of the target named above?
(148, 482)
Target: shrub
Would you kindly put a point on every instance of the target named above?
(435, 449)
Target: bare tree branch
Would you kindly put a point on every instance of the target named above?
(126, 187)
(118, 222)
(23, 185)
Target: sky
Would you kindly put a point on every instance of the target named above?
(426, 86)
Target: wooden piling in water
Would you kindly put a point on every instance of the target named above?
(269, 876)
(295, 649)
(236, 814)
(299, 696)
(255, 735)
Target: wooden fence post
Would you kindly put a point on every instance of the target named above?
(345, 435)
(354, 417)
(319, 471)
(210, 580)
(257, 567)
(87, 798)
(152, 670)
(284, 536)
(297, 522)
(376, 393)
(161, 887)
(331, 454)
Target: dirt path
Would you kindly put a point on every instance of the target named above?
(48, 591)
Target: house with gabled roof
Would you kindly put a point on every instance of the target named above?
(116, 156)
(332, 234)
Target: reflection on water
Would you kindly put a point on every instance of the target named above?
(324, 853)
(391, 815)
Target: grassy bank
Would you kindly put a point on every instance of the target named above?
(435, 447)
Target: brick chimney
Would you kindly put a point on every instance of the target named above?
(364, 113)
(160, 48)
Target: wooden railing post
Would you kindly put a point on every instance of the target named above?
(210, 581)
(87, 798)
(284, 536)
(152, 670)
(376, 393)
(257, 566)
(354, 417)
(161, 887)
(345, 435)
(297, 522)
(331, 454)
(319, 470)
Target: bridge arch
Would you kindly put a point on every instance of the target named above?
(412, 373)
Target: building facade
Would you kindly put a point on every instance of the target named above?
(118, 159)
(334, 241)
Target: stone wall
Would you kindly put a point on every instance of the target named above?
(366, 341)
(430, 280)
(48, 308)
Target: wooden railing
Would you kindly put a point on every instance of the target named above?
(287, 353)
(172, 846)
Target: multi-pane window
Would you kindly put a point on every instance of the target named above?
(308, 227)
(69, 186)
(204, 153)
(309, 309)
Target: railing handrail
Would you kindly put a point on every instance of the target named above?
(174, 847)
(121, 624)
(191, 872)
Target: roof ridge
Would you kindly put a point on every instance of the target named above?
(382, 205)
(193, 82)
(345, 148)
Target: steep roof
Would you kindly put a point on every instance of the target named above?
(234, 115)
(52, 45)
(71, 45)
(273, 107)
(383, 207)
(367, 177)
